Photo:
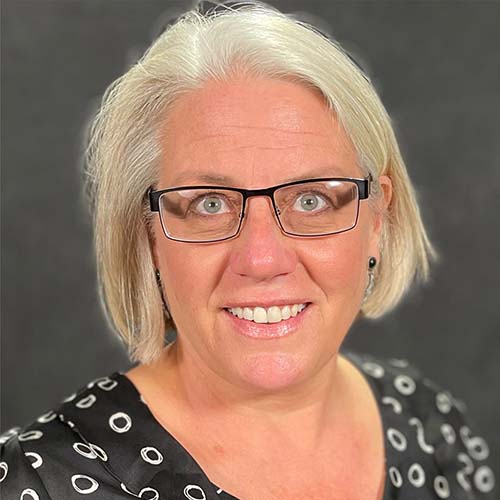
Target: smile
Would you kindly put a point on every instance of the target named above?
(272, 314)
(269, 323)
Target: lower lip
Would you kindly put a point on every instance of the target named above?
(265, 331)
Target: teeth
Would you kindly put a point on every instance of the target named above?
(272, 314)
(259, 315)
(286, 312)
(247, 313)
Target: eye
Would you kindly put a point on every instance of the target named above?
(211, 204)
(309, 202)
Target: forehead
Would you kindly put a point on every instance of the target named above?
(255, 131)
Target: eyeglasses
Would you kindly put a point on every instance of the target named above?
(310, 208)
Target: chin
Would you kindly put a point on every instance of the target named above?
(271, 372)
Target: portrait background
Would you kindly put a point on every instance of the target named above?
(435, 65)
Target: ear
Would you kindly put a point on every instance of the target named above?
(383, 203)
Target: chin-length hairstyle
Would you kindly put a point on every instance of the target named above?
(251, 40)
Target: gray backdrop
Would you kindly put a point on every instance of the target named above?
(436, 66)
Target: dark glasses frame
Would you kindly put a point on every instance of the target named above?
(363, 185)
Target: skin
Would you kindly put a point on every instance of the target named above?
(279, 395)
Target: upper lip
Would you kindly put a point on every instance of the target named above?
(266, 303)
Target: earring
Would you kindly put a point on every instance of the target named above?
(158, 282)
(372, 262)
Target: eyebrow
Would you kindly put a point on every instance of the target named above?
(226, 180)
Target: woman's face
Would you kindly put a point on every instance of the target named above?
(259, 133)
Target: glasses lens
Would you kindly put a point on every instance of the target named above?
(316, 208)
(200, 214)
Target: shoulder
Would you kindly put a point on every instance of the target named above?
(19, 463)
(402, 385)
(429, 433)
(48, 458)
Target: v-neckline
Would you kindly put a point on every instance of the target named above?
(356, 361)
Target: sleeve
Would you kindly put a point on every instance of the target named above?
(461, 452)
(474, 473)
(18, 477)
(435, 448)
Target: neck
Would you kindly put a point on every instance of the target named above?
(300, 413)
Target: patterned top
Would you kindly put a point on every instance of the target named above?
(105, 443)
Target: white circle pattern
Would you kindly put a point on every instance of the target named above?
(416, 475)
(84, 450)
(448, 433)
(47, 417)
(405, 385)
(155, 493)
(441, 487)
(90, 450)
(94, 382)
(193, 487)
(373, 369)
(395, 477)
(397, 439)
(30, 435)
(484, 479)
(33, 495)
(478, 449)
(82, 477)
(4, 469)
(86, 402)
(107, 384)
(146, 455)
(117, 416)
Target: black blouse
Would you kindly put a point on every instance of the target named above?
(103, 443)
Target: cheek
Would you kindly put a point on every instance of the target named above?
(188, 276)
(339, 266)
(184, 278)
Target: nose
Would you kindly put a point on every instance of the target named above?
(261, 251)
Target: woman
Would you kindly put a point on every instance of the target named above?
(249, 193)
